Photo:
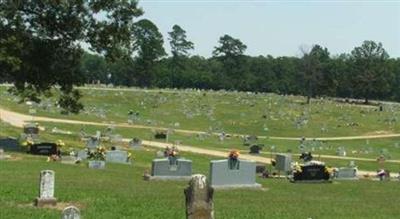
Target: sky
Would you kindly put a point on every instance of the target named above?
(279, 28)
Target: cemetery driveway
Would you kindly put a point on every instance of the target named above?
(18, 120)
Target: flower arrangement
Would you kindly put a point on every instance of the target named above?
(130, 157)
(234, 154)
(297, 168)
(329, 170)
(53, 158)
(171, 152)
(98, 154)
(28, 142)
(60, 143)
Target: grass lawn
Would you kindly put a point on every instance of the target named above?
(233, 112)
(119, 191)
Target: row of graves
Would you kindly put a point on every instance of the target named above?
(309, 171)
(96, 155)
(226, 173)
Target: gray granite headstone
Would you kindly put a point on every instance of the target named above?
(341, 152)
(46, 189)
(82, 154)
(116, 138)
(71, 212)
(97, 164)
(160, 154)
(93, 142)
(283, 162)
(117, 156)
(165, 168)
(223, 174)
(68, 159)
(347, 173)
(31, 129)
(135, 143)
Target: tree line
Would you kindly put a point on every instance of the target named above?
(367, 72)
(40, 48)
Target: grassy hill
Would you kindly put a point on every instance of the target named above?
(120, 192)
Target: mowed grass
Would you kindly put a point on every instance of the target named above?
(120, 192)
(233, 112)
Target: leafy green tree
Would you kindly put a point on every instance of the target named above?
(371, 77)
(180, 47)
(94, 68)
(231, 53)
(313, 69)
(149, 43)
(40, 42)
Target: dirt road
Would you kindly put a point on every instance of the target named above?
(18, 120)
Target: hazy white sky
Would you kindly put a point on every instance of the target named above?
(279, 28)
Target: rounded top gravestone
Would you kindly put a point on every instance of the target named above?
(71, 212)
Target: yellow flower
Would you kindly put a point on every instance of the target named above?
(28, 142)
(60, 143)
(329, 170)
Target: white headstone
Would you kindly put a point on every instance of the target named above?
(46, 189)
(46, 184)
(71, 212)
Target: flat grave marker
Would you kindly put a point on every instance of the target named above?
(71, 212)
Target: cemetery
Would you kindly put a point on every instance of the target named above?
(111, 109)
(105, 159)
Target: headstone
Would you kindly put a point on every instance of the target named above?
(135, 143)
(31, 129)
(44, 148)
(46, 189)
(199, 199)
(59, 131)
(71, 212)
(255, 149)
(160, 135)
(93, 142)
(116, 138)
(160, 154)
(248, 140)
(233, 174)
(349, 173)
(341, 152)
(260, 168)
(283, 162)
(313, 171)
(171, 168)
(82, 154)
(117, 156)
(96, 164)
(68, 159)
(9, 144)
(3, 156)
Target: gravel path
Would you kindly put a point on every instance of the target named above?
(18, 120)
